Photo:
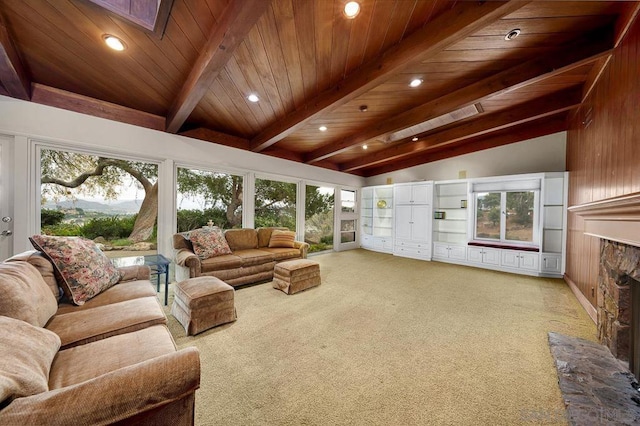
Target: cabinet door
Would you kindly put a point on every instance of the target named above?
(551, 263)
(509, 259)
(440, 250)
(402, 194)
(474, 254)
(420, 193)
(421, 223)
(403, 222)
(458, 252)
(530, 261)
(491, 256)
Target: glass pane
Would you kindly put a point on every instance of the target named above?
(208, 198)
(519, 225)
(488, 215)
(318, 218)
(348, 200)
(275, 204)
(111, 201)
(347, 231)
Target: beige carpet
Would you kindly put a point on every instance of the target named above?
(389, 341)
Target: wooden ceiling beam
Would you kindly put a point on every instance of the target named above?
(85, 105)
(463, 19)
(533, 129)
(238, 19)
(13, 74)
(589, 50)
(482, 124)
(220, 138)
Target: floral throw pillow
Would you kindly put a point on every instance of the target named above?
(82, 268)
(209, 242)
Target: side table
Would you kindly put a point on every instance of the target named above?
(156, 262)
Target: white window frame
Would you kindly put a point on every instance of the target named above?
(340, 216)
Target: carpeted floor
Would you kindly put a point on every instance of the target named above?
(389, 341)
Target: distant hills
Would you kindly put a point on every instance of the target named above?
(127, 207)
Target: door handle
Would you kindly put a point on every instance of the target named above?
(6, 233)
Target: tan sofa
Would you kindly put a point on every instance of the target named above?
(116, 363)
(251, 260)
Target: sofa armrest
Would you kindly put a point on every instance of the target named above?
(134, 272)
(303, 247)
(112, 397)
(188, 259)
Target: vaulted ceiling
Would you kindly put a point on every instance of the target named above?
(190, 65)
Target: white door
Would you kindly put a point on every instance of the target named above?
(403, 222)
(6, 194)
(421, 221)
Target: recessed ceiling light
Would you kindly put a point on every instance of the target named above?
(363, 108)
(351, 9)
(415, 82)
(512, 34)
(253, 98)
(114, 42)
(322, 128)
(365, 146)
(415, 138)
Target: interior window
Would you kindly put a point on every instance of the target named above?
(275, 203)
(507, 216)
(318, 217)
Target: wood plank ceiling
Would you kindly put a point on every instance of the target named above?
(310, 66)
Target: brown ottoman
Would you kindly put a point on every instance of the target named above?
(202, 303)
(296, 275)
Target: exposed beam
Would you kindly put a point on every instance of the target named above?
(519, 76)
(537, 128)
(238, 19)
(83, 104)
(12, 72)
(482, 124)
(625, 20)
(209, 135)
(463, 19)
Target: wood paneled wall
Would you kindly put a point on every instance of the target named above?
(603, 154)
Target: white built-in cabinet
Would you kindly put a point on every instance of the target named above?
(435, 220)
(412, 219)
(376, 218)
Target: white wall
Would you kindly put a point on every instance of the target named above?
(27, 122)
(543, 154)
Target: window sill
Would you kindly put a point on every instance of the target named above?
(506, 246)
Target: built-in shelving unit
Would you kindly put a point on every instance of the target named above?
(413, 221)
(450, 220)
(377, 218)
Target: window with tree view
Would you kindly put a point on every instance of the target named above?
(318, 218)
(108, 200)
(506, 216)
(205, 197)
(275, 203)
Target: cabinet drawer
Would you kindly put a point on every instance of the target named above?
(412, 244)
(420, 253)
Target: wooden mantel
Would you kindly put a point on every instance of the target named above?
(616, 219)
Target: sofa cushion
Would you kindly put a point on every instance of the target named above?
(209, 242)
(43, 265)
(282, 253)
(24, 295)
(282, 239)
(254, 257)
(26, 354)
(118, 293)
(229, 261)
(84, 270)
(264, 235)
(85, 362)
(241, 239)
(89, 325)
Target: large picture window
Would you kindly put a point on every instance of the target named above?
(275, 203)
(109, 200)
(205, 197)
(506, 216)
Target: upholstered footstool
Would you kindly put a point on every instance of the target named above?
(293, 276)
(202, 303)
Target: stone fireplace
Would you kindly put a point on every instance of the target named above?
(616, 221)
(618, 286)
